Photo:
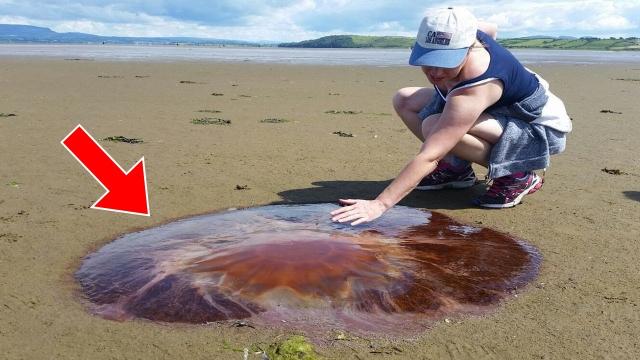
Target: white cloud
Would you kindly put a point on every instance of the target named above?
(14, 20)
(291, 20)
(563, 17)
(613, 22)
(83, 26)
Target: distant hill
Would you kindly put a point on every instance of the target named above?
(354, 41)
(34, 34)
(547, 37)
(539, 42)
(584, 43)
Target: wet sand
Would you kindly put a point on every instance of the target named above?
(585, 222)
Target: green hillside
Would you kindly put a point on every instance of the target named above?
(358, 41)
(354, 41)
(575, 44)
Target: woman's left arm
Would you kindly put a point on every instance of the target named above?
(460, 113)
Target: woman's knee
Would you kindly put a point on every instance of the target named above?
(411, 99)
(401, 99)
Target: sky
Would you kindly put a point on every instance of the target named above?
(296, 20)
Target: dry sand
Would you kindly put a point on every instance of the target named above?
(586, 223)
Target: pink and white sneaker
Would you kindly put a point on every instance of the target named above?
(508, 191)
(446, 176)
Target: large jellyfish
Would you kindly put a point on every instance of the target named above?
(290, 266)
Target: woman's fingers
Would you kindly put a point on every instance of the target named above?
(341, 210)
(353, 209)
(357, 222)
(347, 204)
(343, 216)
(350, 217)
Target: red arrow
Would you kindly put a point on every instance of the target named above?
(126, 192)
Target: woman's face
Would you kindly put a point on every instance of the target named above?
(440, 76)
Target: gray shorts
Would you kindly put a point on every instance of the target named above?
(523, 146)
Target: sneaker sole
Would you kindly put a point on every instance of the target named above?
(451, 185)
(531, 189)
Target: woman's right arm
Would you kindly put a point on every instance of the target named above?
(460, 113)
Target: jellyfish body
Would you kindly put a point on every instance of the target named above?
(289, 264)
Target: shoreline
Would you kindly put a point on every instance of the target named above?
(273, 55)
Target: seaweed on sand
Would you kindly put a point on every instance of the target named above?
(274, 120)
(210, 121)
(120, 138)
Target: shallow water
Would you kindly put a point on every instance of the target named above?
(290, 266)
(372, 57)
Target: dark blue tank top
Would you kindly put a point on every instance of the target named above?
(518, 83)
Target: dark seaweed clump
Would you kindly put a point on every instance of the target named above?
(274, 120)
(210, 121)
(614, 171)
(123, 139)
(346, 112)
(343, 134)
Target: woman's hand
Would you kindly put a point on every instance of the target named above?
(358, 211)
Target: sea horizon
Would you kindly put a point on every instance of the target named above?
(294, 56)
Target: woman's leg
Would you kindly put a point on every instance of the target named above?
(408, 102)
(475, 146)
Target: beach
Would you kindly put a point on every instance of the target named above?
(585, 221)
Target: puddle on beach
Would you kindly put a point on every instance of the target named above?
(289, 266)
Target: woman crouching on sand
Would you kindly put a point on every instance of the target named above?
(485, 107)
